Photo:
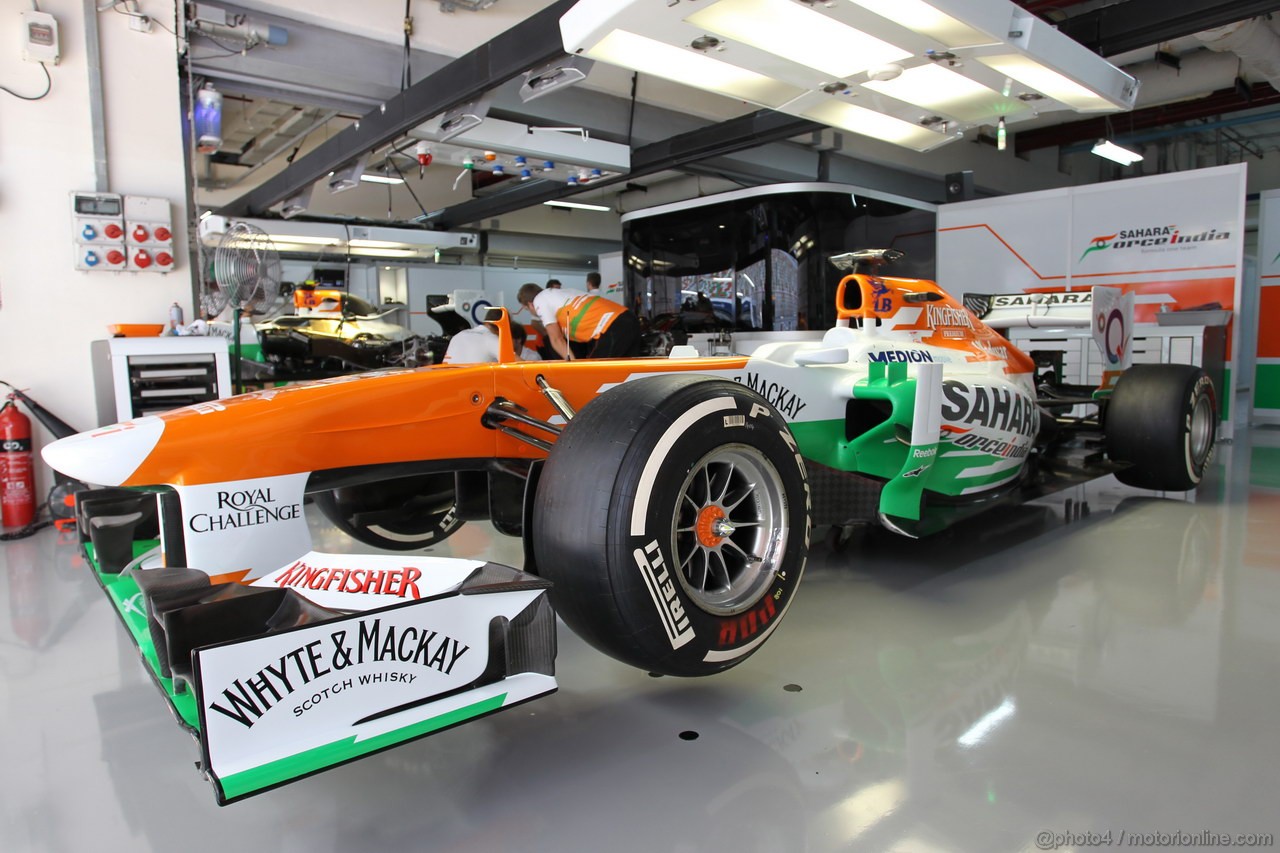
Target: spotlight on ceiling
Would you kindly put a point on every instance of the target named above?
(556, 74)
(462, 118)
(347, 177)
(1117, 153)
(297, 203)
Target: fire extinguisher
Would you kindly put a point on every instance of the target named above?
(17, 475)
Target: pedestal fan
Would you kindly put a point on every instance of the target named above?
(246, 272)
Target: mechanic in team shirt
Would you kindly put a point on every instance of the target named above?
(581, 324)
(479, 344)
(593, 282)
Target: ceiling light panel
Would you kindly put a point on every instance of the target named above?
(798, 34)
(691, 67)
(876, 125)
(941, 90)
(920, 17)
(958, 63)
(1033, 75)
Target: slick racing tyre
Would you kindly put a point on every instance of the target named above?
(1162, 419)
(405, 514)
(672, 517)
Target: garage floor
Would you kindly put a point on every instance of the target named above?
(1119, 672)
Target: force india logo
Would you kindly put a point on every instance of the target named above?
(1155, 237)
(247, 508)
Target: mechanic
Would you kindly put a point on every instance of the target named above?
(582, 325)
(553, 284)
(593, 282)
(479, 344)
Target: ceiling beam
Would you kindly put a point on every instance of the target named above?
(532, 41)
(1134, 24)
(736, 134)
(1044, 7)
(1222, 102)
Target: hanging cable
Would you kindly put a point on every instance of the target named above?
(409, 188)
(48, 87)
(405, 76)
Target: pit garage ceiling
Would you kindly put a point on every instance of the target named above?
(1207, 97)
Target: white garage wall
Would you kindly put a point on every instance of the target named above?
(49, 312)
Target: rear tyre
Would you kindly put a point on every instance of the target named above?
(405, 514)
(1162, 419)
(673, 518)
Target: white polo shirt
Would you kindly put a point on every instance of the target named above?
(548, 302)
(479, 345)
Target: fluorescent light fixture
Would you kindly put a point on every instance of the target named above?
(1030, 73)
(922, 18)
(960, 64)
(1118, 153)
(375, 244)
(876, 125)
(462, 118)
(798, 34)
(384, 253)
(679, 65)
(554, 75)
(304, 240)
(1002, 135)
(577, 205)
(381, 179)
(986, 724)
(938, 89)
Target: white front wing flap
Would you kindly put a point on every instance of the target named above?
(279, 707)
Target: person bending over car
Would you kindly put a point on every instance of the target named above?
(582, 325)
(479, 344)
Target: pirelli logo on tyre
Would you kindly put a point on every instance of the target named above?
(675, 622)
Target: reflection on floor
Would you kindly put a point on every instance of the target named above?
(1106, 660)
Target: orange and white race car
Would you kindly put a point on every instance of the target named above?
(669, 501)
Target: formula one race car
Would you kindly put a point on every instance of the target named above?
(668, 500)
(346, 333)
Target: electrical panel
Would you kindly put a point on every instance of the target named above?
(148, 233)
(116, 233)
(97, 223)
(39, 37)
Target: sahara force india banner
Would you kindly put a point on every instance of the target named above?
(1174, 241)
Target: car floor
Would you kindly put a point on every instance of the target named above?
(1106, 660)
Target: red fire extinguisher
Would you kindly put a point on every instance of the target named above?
(17, 475)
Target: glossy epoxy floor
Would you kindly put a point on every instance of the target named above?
(1029, 675)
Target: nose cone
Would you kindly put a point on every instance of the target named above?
(107, 456)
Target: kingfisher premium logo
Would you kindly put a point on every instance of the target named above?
(244, 508)
(1153, 238)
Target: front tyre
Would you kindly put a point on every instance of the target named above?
(673, 518)
(1162, 419)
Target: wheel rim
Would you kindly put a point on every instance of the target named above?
(1201, 430)
(730, 531)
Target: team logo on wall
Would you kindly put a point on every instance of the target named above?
(1154, 238)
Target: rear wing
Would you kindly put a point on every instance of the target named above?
(1061, 309)
(1106, 311)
